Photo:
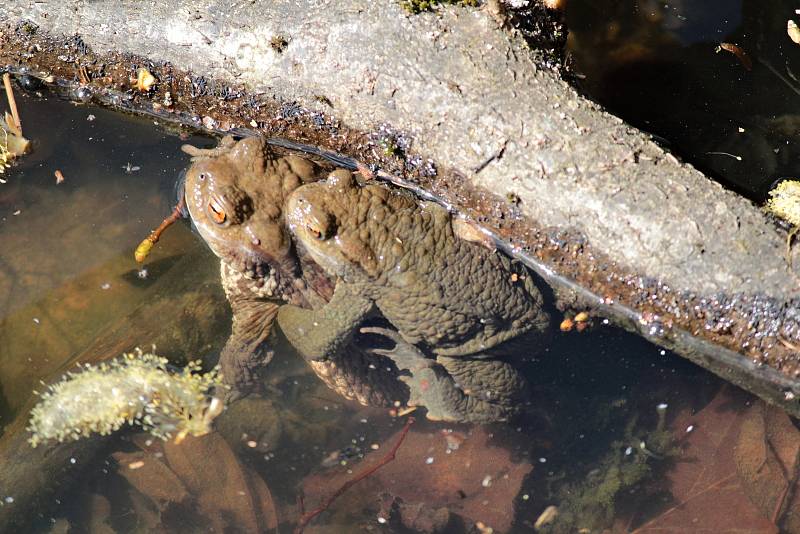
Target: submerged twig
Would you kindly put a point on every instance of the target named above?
(778, 75)
(12, 103)
(306, 518)
(146, 245)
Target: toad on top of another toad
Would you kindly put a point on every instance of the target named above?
(235, 194)
(445, 295)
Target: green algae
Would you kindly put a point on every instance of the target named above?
(418, 6)
(631, 462)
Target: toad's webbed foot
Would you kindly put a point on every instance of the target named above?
(406, 357)
(432, 385)
(239, 366)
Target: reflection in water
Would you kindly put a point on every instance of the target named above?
(615, 432)
(655, 64)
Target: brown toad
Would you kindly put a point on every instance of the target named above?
(457, 300)
(235, 195)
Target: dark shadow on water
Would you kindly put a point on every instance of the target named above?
(655, 65)
(148, 274)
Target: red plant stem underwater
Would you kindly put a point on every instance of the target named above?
(306, 518)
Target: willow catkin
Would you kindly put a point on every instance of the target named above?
(136, 389)
(785, 201)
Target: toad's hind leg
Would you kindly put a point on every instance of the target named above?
(356, 374)
(456, 389)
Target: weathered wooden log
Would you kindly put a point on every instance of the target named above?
(479, 97)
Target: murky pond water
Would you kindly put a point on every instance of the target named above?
(658, 65)
(618, 434)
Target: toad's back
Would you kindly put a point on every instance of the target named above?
(455, 296)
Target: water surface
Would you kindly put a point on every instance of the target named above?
(656, 64)
(615, 435)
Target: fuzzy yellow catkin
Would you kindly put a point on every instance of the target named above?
(138, 389)
(784, 201)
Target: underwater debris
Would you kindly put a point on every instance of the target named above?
(135, 389)
(737, 51)
(784, 202)
(793, 31)
(545, 518)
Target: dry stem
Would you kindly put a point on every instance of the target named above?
(12, 104)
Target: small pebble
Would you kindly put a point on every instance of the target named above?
(142, 273)
(374, 446)
(136, 465)
(9, 499)
(487, 481)
(689, 428)
(17, 212)
(252, 444)
(628, 451)
(662, 406)
(36, 320)
(90, 118)
(429, 460)
(105, 286)
(381, 520)
(542, 460)
(72, 460)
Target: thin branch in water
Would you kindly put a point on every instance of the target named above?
(306, 518)
(734, 156)
(12, 103)
(774, 71)
(147, 244)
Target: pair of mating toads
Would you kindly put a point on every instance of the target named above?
(307, 246)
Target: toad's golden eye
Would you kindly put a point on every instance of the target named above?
(216, 212)
(314, 231)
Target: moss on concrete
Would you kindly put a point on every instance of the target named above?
(418, 6)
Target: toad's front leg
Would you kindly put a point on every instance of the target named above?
(248, 348)
(318, 334)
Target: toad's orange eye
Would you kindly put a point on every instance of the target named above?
(216, 213)
(314, 232)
